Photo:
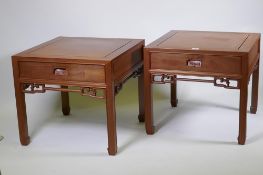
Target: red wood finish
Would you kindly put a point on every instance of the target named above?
(92, 65)
(224, 56)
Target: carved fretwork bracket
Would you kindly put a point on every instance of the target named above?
(159, 78)
(92, 92)
(135, 74)
(34, 88)
(162, 78)
(226, 83)
(118, 88)
(138, 72)
(84, 91)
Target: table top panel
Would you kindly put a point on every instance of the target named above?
(81, 48)
(202, 40)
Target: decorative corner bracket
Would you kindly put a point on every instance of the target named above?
(118, 88)
(162, 78)
(225, 83)
(92, 92)
(138, 72)
(34, 88)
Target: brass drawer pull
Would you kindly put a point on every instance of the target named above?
(194, 63)
(60, 71)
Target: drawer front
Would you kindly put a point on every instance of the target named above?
(196, 62)
(62, 72)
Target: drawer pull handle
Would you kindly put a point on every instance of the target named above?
(194, 63)
(60, 71)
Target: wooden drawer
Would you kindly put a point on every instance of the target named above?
(64, 72)
(196, 62)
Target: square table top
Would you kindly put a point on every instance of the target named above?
(81, 48)
(206, 41)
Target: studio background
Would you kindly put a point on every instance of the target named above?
(24, 24)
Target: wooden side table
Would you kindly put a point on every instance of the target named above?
(96, 67)
(226, 57)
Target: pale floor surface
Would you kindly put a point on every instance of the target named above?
(197, 137)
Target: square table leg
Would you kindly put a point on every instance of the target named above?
(111, 112)
(254, 96)
(111, 120)
(20, 106)
(148, 102)
(173, 90)
(243, 111)
(21, 114)
(141, 97)
(65, 101)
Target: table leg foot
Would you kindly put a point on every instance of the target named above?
(112, 151)
(241, 140)
(253, 110)
(141, 118)
(25, 141)
(66, 111)
(174, 103)
(150, 130)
